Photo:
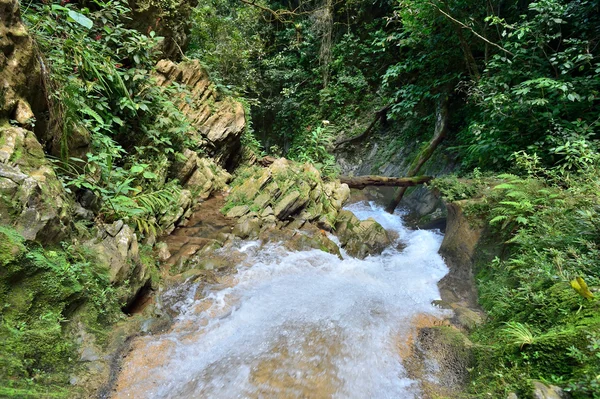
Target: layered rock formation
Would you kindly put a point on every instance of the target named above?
(219, 121)
(287, 194)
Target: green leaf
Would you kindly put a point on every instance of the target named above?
(136, 169)
(90, 112)
(149, 175)
(81, 19)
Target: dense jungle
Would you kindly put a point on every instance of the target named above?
(300, 199)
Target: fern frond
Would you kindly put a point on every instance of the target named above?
(519, 334)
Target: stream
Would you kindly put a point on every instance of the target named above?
(296, 324)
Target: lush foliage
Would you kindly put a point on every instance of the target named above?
(540, 295)
(102, 90)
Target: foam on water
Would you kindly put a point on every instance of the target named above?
(302, 324)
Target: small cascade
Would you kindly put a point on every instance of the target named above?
(296, 324)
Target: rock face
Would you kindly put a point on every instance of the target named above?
(31, 196)
(21, 95)
(202, 176)
(458, 250)
(219, 121)
(466, 244)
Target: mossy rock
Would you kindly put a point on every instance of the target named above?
(360, 238)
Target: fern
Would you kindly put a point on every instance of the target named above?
(519, 334)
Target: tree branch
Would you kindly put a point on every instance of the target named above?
(471, 29)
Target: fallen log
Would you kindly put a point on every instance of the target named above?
(361, 182)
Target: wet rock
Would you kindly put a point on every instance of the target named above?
(31, 196)
(219, 121)
(466, 318)
(360, 238)
(458, 249)
(543, 391)
(443, 355)
(247, 227)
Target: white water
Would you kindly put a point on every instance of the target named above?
(300, 325)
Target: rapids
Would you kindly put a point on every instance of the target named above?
(296, 325)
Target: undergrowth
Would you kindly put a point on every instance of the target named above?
(42, 291)
(541, 299)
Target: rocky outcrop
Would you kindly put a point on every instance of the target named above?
(22, 97)
(219, 122)
(202, 176)
(31, 196)
(285, 193)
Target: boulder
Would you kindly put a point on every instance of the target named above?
(219, 122)
(544, 391)
(31, 196)
(360, 238)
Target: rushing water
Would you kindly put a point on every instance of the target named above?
(296, 325)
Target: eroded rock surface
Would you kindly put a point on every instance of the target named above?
(116, 248)
(284, 194)
(219, 120)
(21, 95)
(31, 196)
(461, 246)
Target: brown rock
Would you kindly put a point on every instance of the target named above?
(220, 122)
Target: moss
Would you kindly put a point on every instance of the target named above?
(11, 245)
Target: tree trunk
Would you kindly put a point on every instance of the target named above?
(441, 128)
(361, 182)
